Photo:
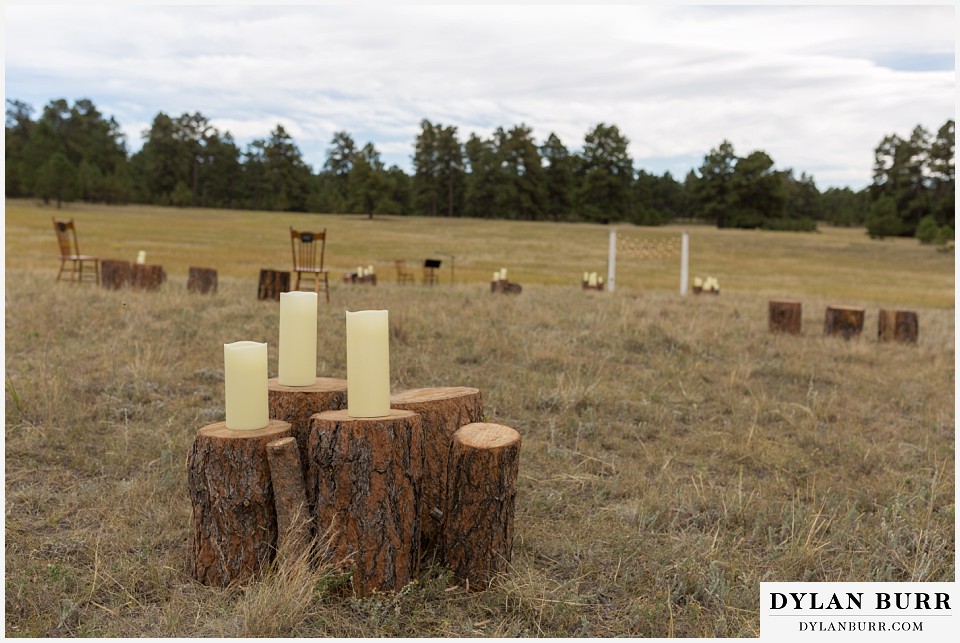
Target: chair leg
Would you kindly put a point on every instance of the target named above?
(60, 272)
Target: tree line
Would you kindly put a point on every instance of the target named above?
(74, 152)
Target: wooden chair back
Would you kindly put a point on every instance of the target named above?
(308, 250)
(403, 275)
(66, 238)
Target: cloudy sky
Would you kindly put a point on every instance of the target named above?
(815, 87)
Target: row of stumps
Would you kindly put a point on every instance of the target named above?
(430, 481)
(845, 321)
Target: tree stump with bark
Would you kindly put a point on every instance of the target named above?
(147, 276)
(843, 321)
(297, 404)
(506, 287)
(366, 476)
(272, 283)
(443, 411)
(898, 326)
(481, 492)
(785, 317)
(114, 273)
(202, 280)
(234, 527)
(294, 519)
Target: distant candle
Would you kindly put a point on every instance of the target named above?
(245, 384)
(142, 257)
(370, 270)
(503, 273)
(592, 279)
(298, 339)
(586, 277)
(496, 276)
(368, 364)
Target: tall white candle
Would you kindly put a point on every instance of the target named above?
(142, 257)
(298, 339)
(586, 277)
(245, 383)
(503, 273)
(368, 364)
(370, 270)
(496, 276)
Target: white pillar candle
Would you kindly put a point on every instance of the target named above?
(586, 277)
(245, 384)
(370, 270)
(142, 257)
(592, 279)
(496, 276)
(503, 273)
(298, 339)
(368, 364)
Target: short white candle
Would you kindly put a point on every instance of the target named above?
(298, 339)
(503, 273)
(142, 257)
(369, 270)
(368, 364)
(586, 277)
(245, 383)
(592, 279)
(496, 276)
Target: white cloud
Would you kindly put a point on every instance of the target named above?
(808, 85)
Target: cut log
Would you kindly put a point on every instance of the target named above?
(202, 280)
(234, 527)
(114, 273)
(366, 474)
(898, 326)
(843, 321)
(443, 411)
(481, 492)
(272, 283)
(294, 524)
(785, 317)
(296, 404)
(147, 276)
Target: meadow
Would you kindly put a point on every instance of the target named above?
(675, 453)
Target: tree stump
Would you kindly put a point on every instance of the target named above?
(147, 276)
(506, 287)
(114, 273)
(843, 321)
(202, 280)
(294, 524)
(365, 474)
(481, 493)
(443, 411)
(234, 530)
(272, 283)
(785, 317)
(296, 404)
(898, 325)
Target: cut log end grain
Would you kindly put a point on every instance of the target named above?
(481, 492)
(234, 526)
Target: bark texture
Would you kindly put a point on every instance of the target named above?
(202, 280)
(114, 273)
(481, 494)
(290, 497)
(272, 283)
(506, 287)
(843, 321)
(898, 326)
(234, 522)
(147, 276)
(443, 411)
(365, 473)
(295, 404)
(786, 317)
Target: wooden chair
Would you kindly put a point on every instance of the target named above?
(403, 275)
(430, 267)
(70, 252)
(308, 253)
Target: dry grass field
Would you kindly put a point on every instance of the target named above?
(675, 453)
